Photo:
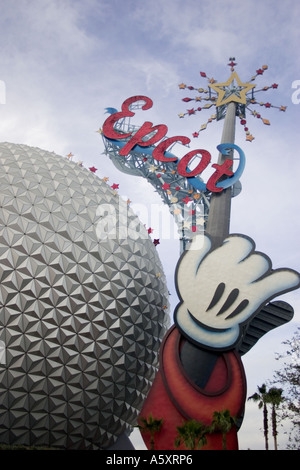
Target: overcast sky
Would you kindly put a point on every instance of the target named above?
(62, 62)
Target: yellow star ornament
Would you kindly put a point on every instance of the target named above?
(235, 93)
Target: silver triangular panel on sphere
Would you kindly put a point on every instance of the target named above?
(82, 316)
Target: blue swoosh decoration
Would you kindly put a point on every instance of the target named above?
(111, 110)
(225, 149)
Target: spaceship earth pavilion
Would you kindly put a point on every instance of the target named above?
(83, 305)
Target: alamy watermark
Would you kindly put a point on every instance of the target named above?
(119, 221)
(296, 94)
(2, 92)
(137, 222)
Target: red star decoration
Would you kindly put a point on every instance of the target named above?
(191, 111)
(186, 200)
(165, 186)
(275, 85)
(268, 105)
(150, 230)
(259, 71)
(232, 64)
(156, 241)
(93, 169)
(115, 186)
(196, 134)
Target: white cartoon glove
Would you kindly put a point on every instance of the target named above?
(221, 290)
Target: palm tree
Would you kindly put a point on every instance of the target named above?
(151, 425)
(192, 434)
(262, 399)
(275, 398)
(222, 422)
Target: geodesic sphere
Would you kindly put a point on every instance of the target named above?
(82, 309)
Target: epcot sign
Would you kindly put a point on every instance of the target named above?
(160, 151)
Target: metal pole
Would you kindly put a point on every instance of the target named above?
(198, 363)
(218, 222)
